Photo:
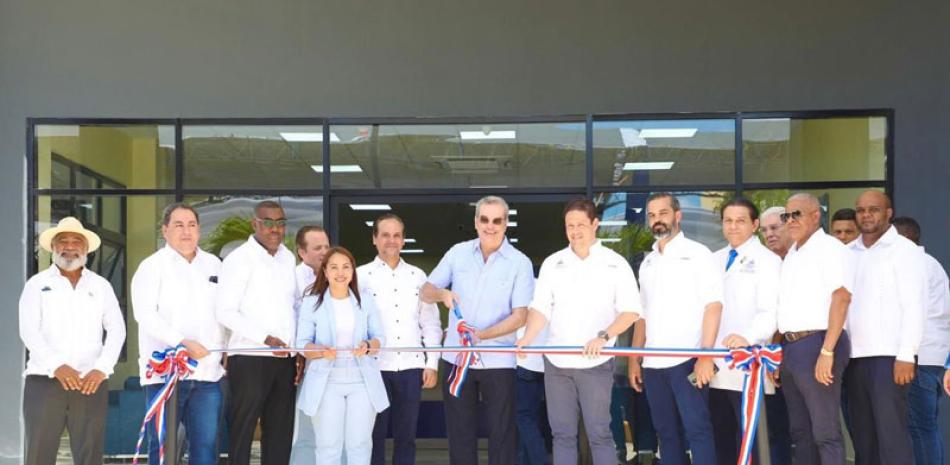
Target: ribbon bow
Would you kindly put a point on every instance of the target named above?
(463, 360)
(172, 364)
(754, 360)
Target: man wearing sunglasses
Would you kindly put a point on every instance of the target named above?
(886, 325)
(492, 283)
(814, 294)
(255, 300)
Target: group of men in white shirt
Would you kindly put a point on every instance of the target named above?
(802, 287)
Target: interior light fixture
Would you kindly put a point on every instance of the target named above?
(370, 207)
(667, 133)
(369, 223)
(512, 212)
(338, 168)
(487, 135)
(631, 138)
(409, 240)
(413, 251)
(609, 239)
(512, 224)
(307, 137)
(513, 240)
(648, 165)
(613, 223)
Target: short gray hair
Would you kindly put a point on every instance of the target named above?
(490, 200)
(806, 197)
(773, 211)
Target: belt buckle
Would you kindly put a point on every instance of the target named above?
(791, 336)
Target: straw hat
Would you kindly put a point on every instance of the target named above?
(69, 224)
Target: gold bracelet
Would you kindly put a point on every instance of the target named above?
(826, 352)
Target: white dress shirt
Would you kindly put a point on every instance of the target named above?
(580, 297)
(810, 275)
(886, 316)
(304, 277)
(750, 299)
(675, 287)
(172, 300)
(62, 325)
(256, 296)
(407, 321)
(935, 344)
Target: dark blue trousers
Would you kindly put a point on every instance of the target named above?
(725, 408)
(878, 410)
(495, 387)
(780, 440)
(404, 389)
(813, 408)
(677, 406)
(529, 398)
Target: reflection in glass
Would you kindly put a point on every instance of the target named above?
(664, 152)
(105, 157)
(226, 220)
(490, 155)
(253, 157)
(827, 149)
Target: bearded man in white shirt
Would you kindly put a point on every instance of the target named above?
(173, 299)
(255, 300)
(407, 322)
(63, 313)
(885, 323)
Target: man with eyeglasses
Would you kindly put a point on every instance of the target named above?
(885, 323)
(492, 283)
(814, 294)
(256, 295)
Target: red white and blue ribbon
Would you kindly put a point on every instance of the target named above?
(465, 359)
(755, 361)
(172, 364)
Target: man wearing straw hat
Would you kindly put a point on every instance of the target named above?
(173, 300)
(63, 312)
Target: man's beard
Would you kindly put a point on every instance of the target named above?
(661, 230)
(69, 264)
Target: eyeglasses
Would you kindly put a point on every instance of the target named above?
(495, 221)
(795, 215)
(269, 223)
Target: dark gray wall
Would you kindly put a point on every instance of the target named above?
(220, 58)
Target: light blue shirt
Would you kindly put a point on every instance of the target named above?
(488, 290)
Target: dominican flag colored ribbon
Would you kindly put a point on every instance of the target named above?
(464, 359)
(172, 364)
(753, 360)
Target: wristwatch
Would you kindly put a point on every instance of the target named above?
(603, 335)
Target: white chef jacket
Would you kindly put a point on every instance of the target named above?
(61, 325)
(304, 277)
(172, 300)
(750, 299)
(675, 287)
(580, 297)
(407, 321)
(935, 344)
(886, 316)
(810, 274)
(256, 295)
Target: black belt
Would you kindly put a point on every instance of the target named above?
(793, 336)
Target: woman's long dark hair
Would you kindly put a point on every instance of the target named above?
(320, 286)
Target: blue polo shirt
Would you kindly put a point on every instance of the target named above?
(488, 290)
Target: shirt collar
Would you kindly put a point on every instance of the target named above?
(504, 250)
(54, 271)
(261, 250)
(816, 236)
(746, 247)
(382, 263)
(175, 256)
(887, 238)
(671, 245)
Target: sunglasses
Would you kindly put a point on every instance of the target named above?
(795, 215)
(269, 223)
(495, 221)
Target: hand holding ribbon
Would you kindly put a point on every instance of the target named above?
(172, 364)
(755, 361)
(463, 360)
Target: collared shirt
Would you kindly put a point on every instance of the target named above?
(407, 321)
(61, 325)
(886, 316)
(675, 287)
(256, 295)
(580, 297)
(173, 299)
(489, 291)
(810, 274)
(304, 278)
(750, 299)
(935, 344)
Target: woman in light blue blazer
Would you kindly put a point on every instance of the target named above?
(342, 389)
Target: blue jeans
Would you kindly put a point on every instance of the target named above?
(529, 400)
(199, 409)
(924, 402)
(677, 407)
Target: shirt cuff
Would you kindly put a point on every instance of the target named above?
(906, 355)
(105, 367)
(432, 360)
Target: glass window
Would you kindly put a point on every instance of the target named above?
(623, 221)
(489, 155)
(253, 157)
(105, 157)
(226, 220)
(826, 149)
(664, 152)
